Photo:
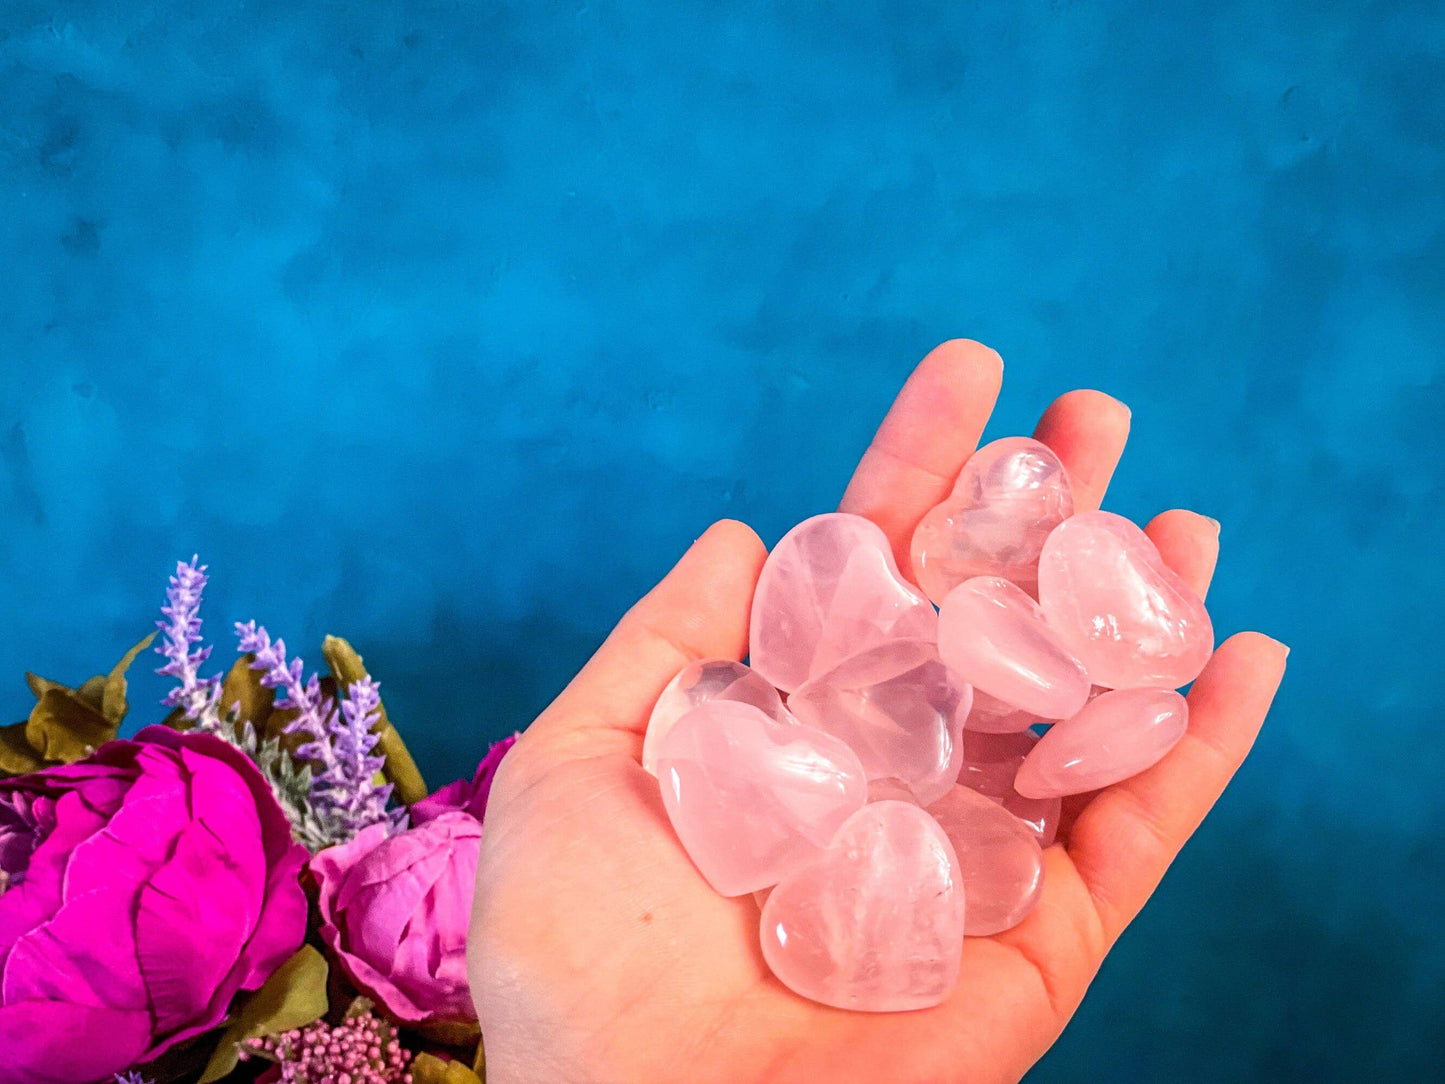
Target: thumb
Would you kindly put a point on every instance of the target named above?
(699, 610)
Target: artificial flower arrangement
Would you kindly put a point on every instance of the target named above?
(257, 888)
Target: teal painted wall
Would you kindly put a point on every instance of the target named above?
(446, 326)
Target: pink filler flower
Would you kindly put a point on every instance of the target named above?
(142, 888)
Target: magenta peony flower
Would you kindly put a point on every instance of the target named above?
(394, 912)
(142, 888)
(470, 796)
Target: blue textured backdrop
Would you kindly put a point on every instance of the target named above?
(446, 326)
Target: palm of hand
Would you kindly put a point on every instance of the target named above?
(600, 954)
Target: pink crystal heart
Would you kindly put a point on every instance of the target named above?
(874, 923)
(701, 681)
(1118, 734)
(1008, 497)
(999, 858)
(830, 590)
(995, 637)
(899, 708)
(750, 798)
(990, 763)
(1121, 610)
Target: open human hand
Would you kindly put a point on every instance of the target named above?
(597, 951)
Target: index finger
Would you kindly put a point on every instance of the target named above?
(932, 427)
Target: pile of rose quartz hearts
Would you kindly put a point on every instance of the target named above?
(895, 797)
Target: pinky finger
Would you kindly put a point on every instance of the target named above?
(1125, 839)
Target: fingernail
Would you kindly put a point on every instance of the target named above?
(1215, 522)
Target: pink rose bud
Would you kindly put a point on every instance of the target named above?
(395, 910)
(470, 796)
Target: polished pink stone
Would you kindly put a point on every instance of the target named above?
(750, 798)
(701, 681)
(990, 762)
(1008, 497)
(890, 790)
(990, 715)
(877, 921)
(999, 859)
(1121, 610)
(830, 590)
(988, 748)
(1118, 734)
(899, 708)
(995, 637)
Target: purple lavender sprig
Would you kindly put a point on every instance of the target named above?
(329, 792)
(130, 1078)
(199, 697)
(355, 738)
(344, 790)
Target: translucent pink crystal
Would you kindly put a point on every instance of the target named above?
(701, 681)
(999, 859)
(1121, 610)
(1118, 734)
(1008, 497)
(899, 708)
(750, 798)
(990, 763)
(874, 923)
(890, 790)
(903, 774)
(995, 637)
(990, 715)
(831, 590)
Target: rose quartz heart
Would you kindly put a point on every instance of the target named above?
(999, 859)
(874, 923)
(990, 763)
(1121, 610)
(995, 637)
(1008, 497)
(750, 798)
(701, 681)
(830, 590)
(899, 708)
(1118, 734)
(990, 715)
